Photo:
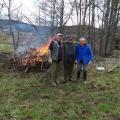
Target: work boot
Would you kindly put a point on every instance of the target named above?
(54, 84)
(78, 75)
(58, 82)
(84, 76)
(65, 79)
(70, 80)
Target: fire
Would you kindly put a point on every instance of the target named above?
(36, 55)
(43, 50)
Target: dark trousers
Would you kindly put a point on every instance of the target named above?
(68, 69)
(81, 66)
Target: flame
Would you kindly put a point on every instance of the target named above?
(36, 55)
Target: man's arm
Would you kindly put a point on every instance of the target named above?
(76, 52)
(90, 53)
(49, 53)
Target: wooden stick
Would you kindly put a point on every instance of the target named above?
(26, 69)
(112, 68)
(41, 64)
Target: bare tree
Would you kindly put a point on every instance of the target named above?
(84, 16)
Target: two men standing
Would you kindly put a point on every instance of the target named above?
(64, 54)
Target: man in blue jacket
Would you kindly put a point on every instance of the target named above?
(84, 57)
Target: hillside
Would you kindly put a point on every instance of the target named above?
(28, 36)
(22, 27)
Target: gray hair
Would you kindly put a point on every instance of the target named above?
(82, 38)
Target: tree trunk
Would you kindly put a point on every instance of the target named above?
(53, 10)
(79, 25)
(61, 17)
(10, 25)
(89, 28)
(84, 17)
(93, 26)
(112, 25)
(106, 24)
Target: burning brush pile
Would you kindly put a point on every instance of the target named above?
(35, 56)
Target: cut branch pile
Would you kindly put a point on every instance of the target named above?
(35, 57)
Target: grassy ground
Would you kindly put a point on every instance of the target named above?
(6, 48)
(5, 44)
(30, 97)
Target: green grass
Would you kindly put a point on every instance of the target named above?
(4, 37)
(7, 48)
(5, 44)
(29, 96)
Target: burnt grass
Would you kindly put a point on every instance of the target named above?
(30, 96)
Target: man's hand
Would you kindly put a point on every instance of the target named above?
(90, 62)
(50, 60)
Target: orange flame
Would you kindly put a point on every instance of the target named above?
(36, 55)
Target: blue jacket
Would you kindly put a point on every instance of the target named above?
(84, 53)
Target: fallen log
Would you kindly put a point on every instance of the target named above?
(111, 69)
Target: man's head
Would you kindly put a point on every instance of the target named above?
(70, 39)
(82, 41)
(59, 37)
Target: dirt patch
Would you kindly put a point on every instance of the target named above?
(111, 116)
(85, 115)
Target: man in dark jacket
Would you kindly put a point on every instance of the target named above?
(84, 57)
(56, 57)
(69, 58)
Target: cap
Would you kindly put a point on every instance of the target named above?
(59, 34)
